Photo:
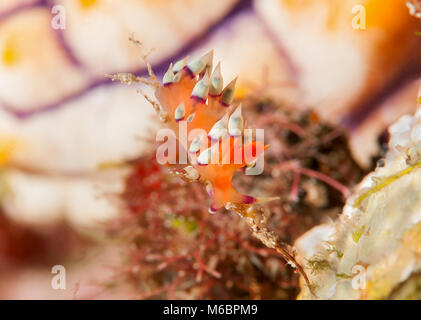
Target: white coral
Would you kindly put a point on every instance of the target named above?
(375, 245)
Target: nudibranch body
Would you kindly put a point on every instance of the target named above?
(218, 142)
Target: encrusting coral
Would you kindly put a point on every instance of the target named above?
(373, 250)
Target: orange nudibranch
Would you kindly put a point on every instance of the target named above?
(217, 145)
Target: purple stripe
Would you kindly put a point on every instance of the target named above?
(201, 39)
(159, 68)
(71, 56)
(362, 111)
(292, 69)
(25, 114)
(21, 7)
(48, 4)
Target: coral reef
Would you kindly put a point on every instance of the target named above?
(71, 120)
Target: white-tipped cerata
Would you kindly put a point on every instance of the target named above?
(216, 82)
(236, 123)
(228, 93)
(191, 117)
(168, 76)
(219, 129)
(205, 157)
(180, 112)
(196, 66)
(201, 89)
(179, 65)
(208, 61)
(195, 144)
(199, 65)
(177, 77)
(191, 173)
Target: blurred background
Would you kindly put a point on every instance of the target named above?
(62, 120)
